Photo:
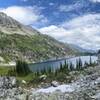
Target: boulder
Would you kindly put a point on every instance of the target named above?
(23, 82)
(13, 82)
(96, 97)
(54, 83)
(43, 77)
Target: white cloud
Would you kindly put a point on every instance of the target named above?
(54, 31)
(83, 31)
(95, 1)
(25, 15)
(51, 4)
(67, 8)
(24, 0)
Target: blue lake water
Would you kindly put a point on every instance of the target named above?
(55, 64)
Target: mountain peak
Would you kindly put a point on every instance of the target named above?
(2, 14)
(9, 25)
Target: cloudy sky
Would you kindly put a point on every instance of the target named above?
(70, 21)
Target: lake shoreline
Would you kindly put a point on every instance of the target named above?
(55, 64)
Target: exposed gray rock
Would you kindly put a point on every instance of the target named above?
(54, 83)
(87, 87)
(9, 89)
(43, 77)
(10, 26)
(23, 82)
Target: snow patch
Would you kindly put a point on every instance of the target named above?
(62, 88)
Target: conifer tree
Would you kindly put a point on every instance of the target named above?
(80, 64)
(22, 68)
(61, 67)
(90, 61)
(71, 66)
(77, 64)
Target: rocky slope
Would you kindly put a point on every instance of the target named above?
(20, 41)
(85, 86)
(10, 26)
(81, 50)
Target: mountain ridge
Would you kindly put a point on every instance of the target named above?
(20, 41)
(9, 25)
(81, 50)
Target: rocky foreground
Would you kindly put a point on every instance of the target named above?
(86, 86)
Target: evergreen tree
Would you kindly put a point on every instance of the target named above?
(22, 68)
(61, 67)
(90, 61)
(37, 73)
(80, 64)
(65, 63)
(44, 71)
(50, 70)
(67, 67)
(77, 64)
(85, 64)
(71, 66)
(26, 69)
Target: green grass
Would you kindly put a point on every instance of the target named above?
(4, 70)
(34, 79)
(39, 47)
(27, 78)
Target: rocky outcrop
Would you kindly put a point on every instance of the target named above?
(87, 87)
(10, 26)
(9, 89)
(54, 83)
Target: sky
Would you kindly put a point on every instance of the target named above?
(69, 21)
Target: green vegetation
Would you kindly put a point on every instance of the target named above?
(22, 72)
(32, 48)
(22, 68)
(4, 70)
(63, 73)
(79, 65)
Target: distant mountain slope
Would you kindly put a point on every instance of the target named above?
(20, 41)
(80, 49)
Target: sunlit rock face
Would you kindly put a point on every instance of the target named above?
(11, 26)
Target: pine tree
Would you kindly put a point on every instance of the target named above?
(22, 68)
(49, 71)
(77, 65)
(80, 64)
(85, 64)
(90, 61)
(61, 67)
(71, 66)
(67, 67)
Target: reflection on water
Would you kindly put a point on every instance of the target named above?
(54, 65)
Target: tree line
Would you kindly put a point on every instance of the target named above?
(68, 67)
(22, 68)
